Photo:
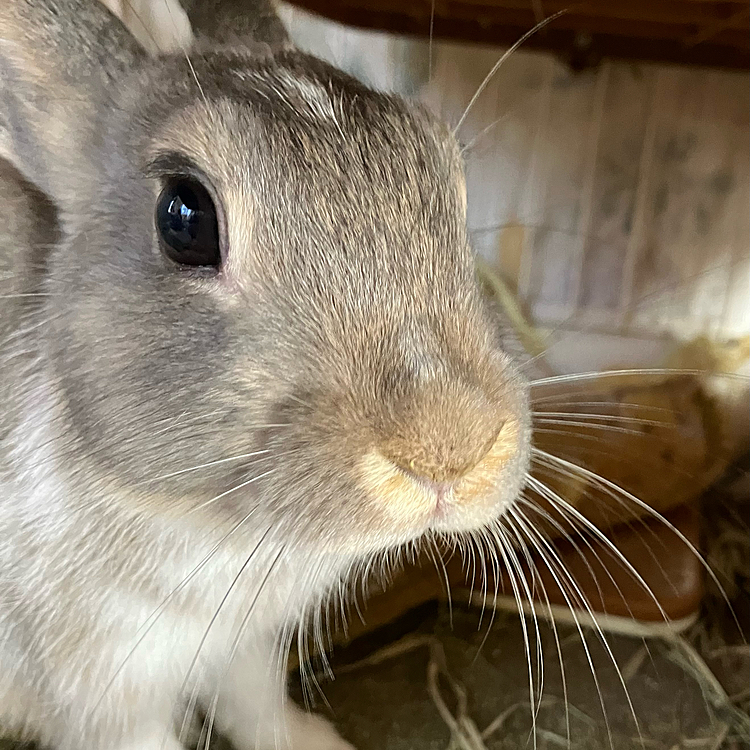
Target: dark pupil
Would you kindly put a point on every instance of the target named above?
(186, 221)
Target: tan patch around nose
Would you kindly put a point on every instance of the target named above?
(398, 493)
(482, 479)
(405, 498)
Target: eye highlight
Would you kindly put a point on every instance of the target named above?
(186, 223)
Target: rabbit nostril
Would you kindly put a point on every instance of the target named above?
(439, 464)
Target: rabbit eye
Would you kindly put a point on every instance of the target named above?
(186, 222)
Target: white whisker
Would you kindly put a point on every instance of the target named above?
(565, 535)
(564, 399)
(512, 511)
(185, 52)
(642, 371)
(644, 506)
(530, 597)
(589, 425)
(429, 50)
(483, 85)
(556, 567)
(434, 553)
(559, 502)
(557, 471)
(577, 416)
(235, 644)
(219, 461)
(224, 494)
(144, 630)
(210, 625)
(503, 547)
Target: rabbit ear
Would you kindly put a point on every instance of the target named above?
(60, 62)
(161, 26)
(237, 23)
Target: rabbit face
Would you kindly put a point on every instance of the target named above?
(276, 286)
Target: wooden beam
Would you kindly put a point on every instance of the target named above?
(713, 39)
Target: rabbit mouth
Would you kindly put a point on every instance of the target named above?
(413, 503)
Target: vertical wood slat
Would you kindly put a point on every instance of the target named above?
(614, 187)
(587, 195)
(566, 160)
(699, 168)
(630, 300)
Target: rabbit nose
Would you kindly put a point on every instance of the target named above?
(438, 466)
(443, 433)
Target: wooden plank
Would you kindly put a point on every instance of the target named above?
(636, 20)
(696, 200)
(674, 13)
(626, 112)
(566, 158)
(611, 38)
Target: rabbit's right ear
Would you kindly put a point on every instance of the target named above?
(60, 63)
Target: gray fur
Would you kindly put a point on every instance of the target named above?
(346, 322)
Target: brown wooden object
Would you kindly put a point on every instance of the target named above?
(695, 32)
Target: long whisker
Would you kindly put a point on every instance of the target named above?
(143, 24)
(561, 530)
(211, 623)
(535, 534)
(572, 513)
(429, 50)
(583, 523)
(596, 449)
(309, 676)
(558, 471)
(235, 644)
(566, 399)
(503, 547)
(644, 506)
(179, 421)
(530, 598)
(596, 374)
(588, 425)
(553, 428)
(483, 85)
(483, 539)
(577, 416)
(187, 57)
(560, 502)
(523, 500)
(27, 294)
(224, 494)
(624, 455)
(441, 570)
(178, 473)
(478, 137)
(512, 512)
(552, 560)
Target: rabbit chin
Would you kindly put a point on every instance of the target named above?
(410, 506)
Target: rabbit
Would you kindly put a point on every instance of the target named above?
(245, 360)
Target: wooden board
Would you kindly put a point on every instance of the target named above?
(700, 32)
